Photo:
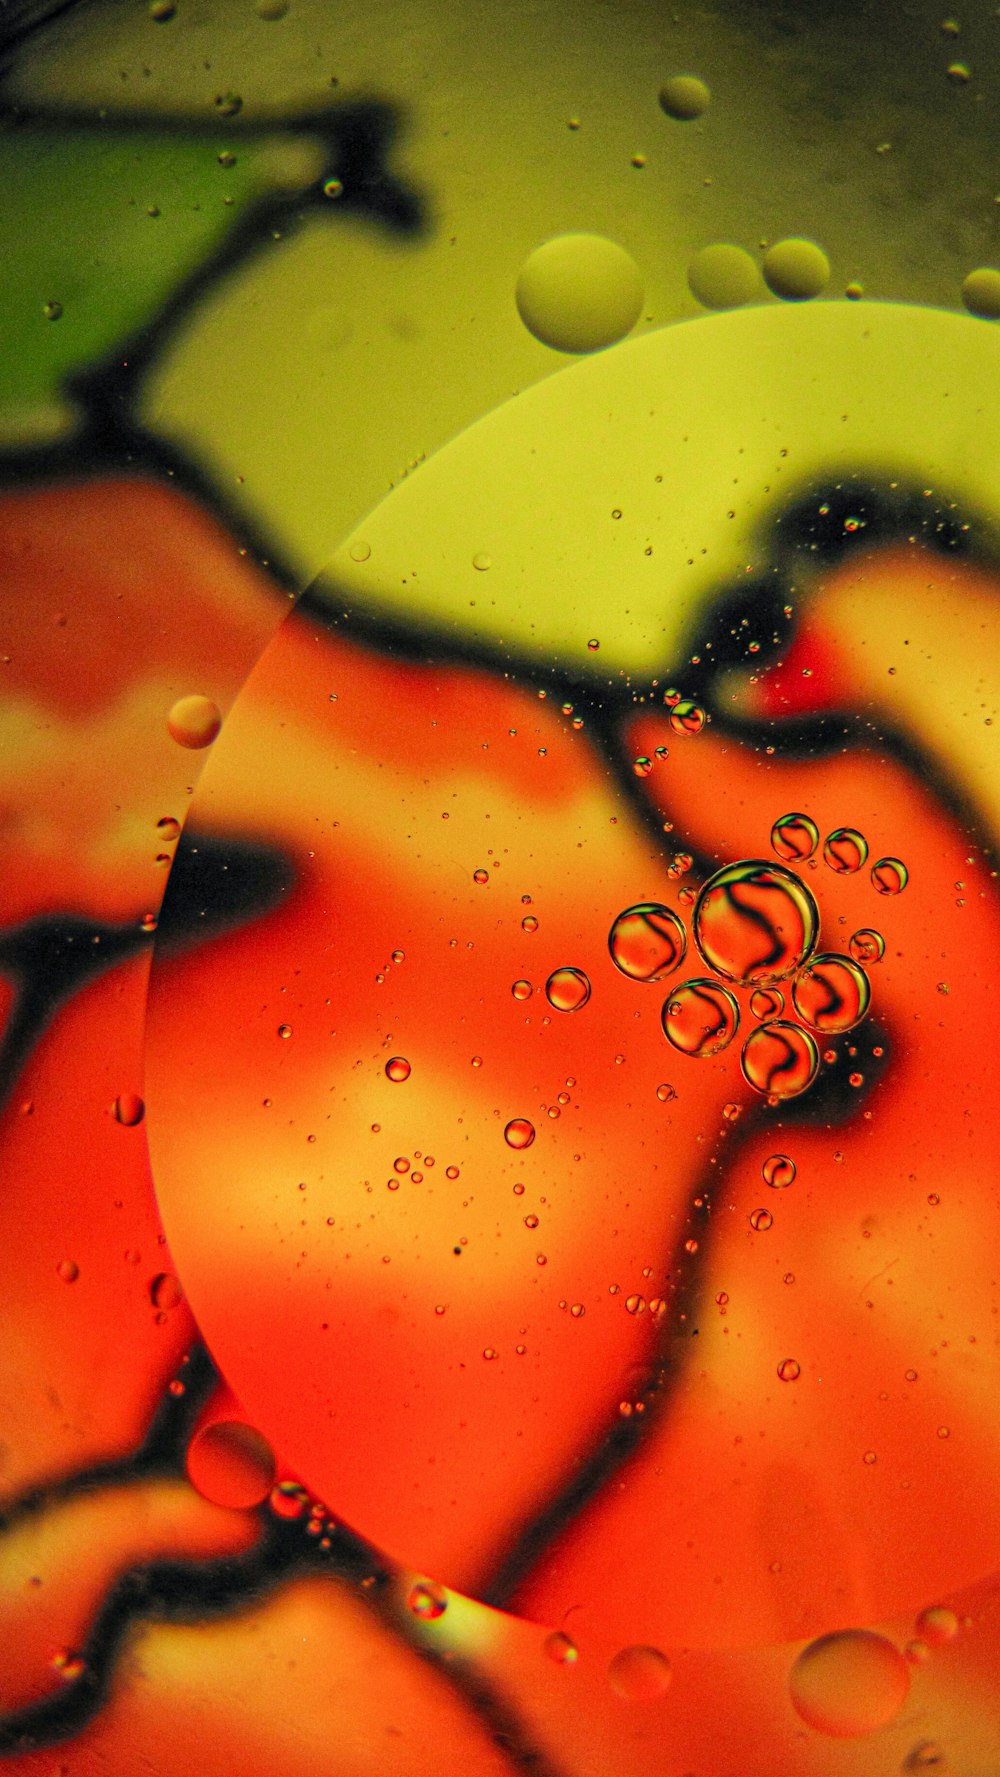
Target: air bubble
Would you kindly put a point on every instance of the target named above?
(579, 293)
(778, 1171)
(889, 876)
(796, 269)
(832, 994)
(767, 1002)
(845, 850)
(684, 97)
(427, 1601)
(867, 946)
(647, 942)
(700, 1018)
(231, 1464)
(755, 922)
(794, 837)
(194, 721)
(724, 277)
(849, 1683)
(397, 1069)
(567, 990)
(780, 1059)
(639, 1674)
(519, 1133)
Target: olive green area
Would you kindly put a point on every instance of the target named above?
(99, 226)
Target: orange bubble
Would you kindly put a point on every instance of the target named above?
(639, 1674)
(780, 1059)
(194, 721)
(845, 850)
(849, 1683)
(755, 922)
(700, 1018)
(128, 1109)
(937, 1624)
(397, 1069)
(794, 837)
(567, 990)
(231, 1464)
(647, 941)
(519, 1133)
(832, 994)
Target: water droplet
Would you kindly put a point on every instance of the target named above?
(723, 277)
(128, 1109)
(890, 876)
(522, 990)
(284, 1031)
(794, 837)
(796, 269)
(567, 990)
(778, 1171)
(560, 1648)
(684, 97)
(165, 1292)
(579, 293)
(231, 1463)
(68, 1270)
(767, 1002)
(755, 922)
(981, 292)
(849, 1683)
(937, 1624)
(687, 717)
(700, 1018)
(427, 1601)
(519, 1133)
(639, 1674)
(789, 1369)
(832, 994)
(194, 721)
(867, 945)
(845, 850)
(647, 941)
(779, 1059)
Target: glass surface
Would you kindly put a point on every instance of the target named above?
(499, 562)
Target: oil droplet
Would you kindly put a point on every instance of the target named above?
(560, 1648)
(333, 188)
(981, 292)
(168, 829)
(284, 1032)
(481, 876)
(700, 1018)
(642, 766)
(579, 293)
(427, 1601)
(789, 1369)
(890, 876)
(937, 1624)
(567, 990)
(228, 104)
(647, 941)
(635, 1304)
(194, 721)
(128, 1109)
(867, 946)
(687, 717)
(522, 990)
(832, 994)
(519, 1133)
(794, 837)
(529, 923)
(684, 97)
(52, 310)
(760, 1220)
(639, 1674)
(165, 1292)
(959, 73)
(397, 1069)
(271, 10)
(849, 1683)
(779, 1059)
(162, 10)
(755, 922)
(68, 1270)
(927, 1755)
(231, 1464)
(796, 269)
(778, 1171)
(288, 1499)
(67, 1662)
(360, 551)
(845, 850)
(665, 1093)
(767, 1002)
(723, 277)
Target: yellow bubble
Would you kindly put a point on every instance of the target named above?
(639, 1674)
(684, 97)
(194, 721)
(796, 269)
(849, 1683)
(724, 277)
(579, 293)
(981, 293)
